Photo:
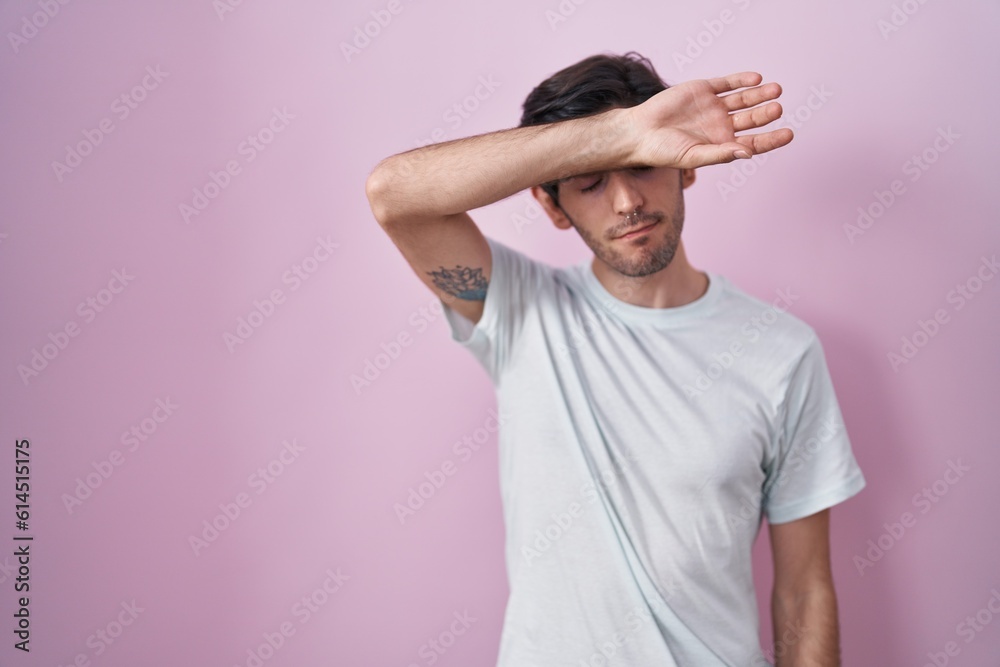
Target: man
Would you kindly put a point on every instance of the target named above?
(654, 413)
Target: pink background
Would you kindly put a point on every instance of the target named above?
(330, 504)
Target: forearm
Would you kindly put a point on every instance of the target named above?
(806, 632)
(464, 174)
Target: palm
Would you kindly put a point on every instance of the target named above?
(691, 125)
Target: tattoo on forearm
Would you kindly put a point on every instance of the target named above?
(462, 282)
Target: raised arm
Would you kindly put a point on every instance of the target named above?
(689, 125)
(420, 197)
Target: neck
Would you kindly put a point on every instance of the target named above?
(675, 285)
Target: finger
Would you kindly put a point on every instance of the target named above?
(756, 117)
(724, 84)
(745, 99)
(766, 141)
(706, 154)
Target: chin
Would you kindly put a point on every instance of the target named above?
(640, 260)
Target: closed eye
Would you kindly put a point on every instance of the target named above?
(598, 181)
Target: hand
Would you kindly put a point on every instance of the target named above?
(692, 124)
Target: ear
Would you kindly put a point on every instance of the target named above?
(555, 213)
(687, 178)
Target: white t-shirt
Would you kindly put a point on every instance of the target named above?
(639, 450)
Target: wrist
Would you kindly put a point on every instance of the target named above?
(624, 134)
(609, 141)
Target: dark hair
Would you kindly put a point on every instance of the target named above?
(593, 85)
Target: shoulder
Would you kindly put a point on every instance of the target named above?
(507, 251)
(768, 320)
(519, 266)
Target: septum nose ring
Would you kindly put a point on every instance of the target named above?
(629, 216)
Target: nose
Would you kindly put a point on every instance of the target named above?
(626, 197)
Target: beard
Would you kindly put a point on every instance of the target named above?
(645, 255)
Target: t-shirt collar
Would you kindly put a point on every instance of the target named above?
(657, 316)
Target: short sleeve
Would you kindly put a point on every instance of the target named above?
(813, 466)
(510, 295)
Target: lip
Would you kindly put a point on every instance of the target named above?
(639, 232)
